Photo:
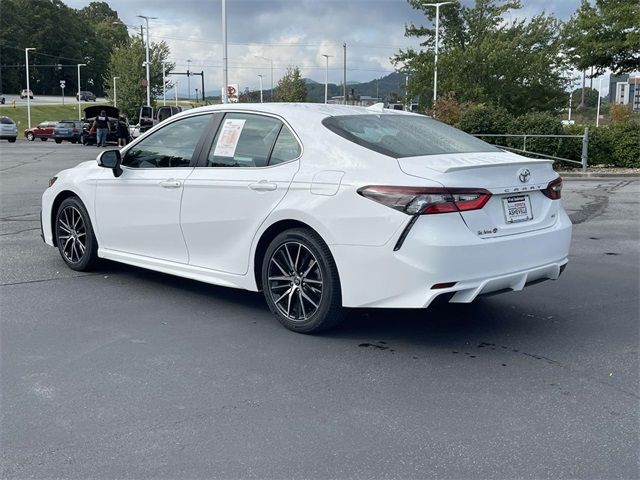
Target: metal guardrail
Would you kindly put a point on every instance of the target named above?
(585, 145)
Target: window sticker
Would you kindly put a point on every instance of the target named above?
(228, 138)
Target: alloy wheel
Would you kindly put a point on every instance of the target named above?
(72, 234)
(295, 281)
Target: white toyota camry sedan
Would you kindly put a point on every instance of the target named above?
(319, 206)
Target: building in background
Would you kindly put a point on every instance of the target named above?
(623, 90)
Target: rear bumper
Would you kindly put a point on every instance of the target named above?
(441, 249)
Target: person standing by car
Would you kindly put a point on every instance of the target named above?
(123, 131)
(101, 124)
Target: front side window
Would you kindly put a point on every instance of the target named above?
(171, 146)
(401, 136)
(244, 140)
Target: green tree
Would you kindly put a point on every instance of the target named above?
(63, 37)
(590, 97)
(485, 57)
(126, 63)
(291, 87)
(605, 36)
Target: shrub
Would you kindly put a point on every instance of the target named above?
(448, 109)
(625, 142)
(538, 123)
(485, 119)
(620, 113)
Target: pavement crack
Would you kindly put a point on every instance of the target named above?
(49, 279)
(19, 231)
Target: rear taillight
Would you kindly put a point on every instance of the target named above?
(75, 130)
(554, 189)
(426, 201)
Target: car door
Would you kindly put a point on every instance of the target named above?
(238, 182)
(139, 211)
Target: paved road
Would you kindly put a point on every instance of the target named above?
(126, 373)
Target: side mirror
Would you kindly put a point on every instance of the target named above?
(111, 159)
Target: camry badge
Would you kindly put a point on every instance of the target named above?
(524, 174)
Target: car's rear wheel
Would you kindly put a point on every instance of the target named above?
(12, 140)
(300, 282)
(58, 140)
(44, 139)
(31, 137)
(74, 235)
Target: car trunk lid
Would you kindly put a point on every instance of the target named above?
(517, 204)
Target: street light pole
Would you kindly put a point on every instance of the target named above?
(260, 77)
(225, 58)
(326, 77)
(189, 78)
(435, 66)
(147, 63)
(115, 95)
(176, 91)
(164, 89)
(79, 65)
(26, 56)
(598, 109)
(270, 60)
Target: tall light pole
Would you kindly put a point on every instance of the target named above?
(344, 73)
(79, 65)
(189, 79)
(176, 91)
(270, 60)
(326, 76)
(260, 77)
(115, 95)
(435, 65)
(26, 56)
(598, 109)
(147, 64)
(225, 56)
(164, 89)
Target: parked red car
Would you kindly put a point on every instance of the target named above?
(43, 131)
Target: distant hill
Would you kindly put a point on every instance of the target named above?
(384, 86)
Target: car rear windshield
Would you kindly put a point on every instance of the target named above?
(66, 124)
(6, 121)
(404, 135)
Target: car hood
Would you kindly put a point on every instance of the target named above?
(94, 111)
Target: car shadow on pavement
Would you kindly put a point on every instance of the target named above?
(441, 323)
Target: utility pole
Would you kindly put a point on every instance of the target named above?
(225, 59)
(147, 63)
(435, 65)
(176, 90)
(115, 96)
(326, 77)
(189, 79)
(260, 77)
(26, 56)
(344, 73)
(598, 109)
(79, 65)
(164, 86)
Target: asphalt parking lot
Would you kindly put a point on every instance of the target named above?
(125, 373)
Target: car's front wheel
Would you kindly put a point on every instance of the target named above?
(74, 235)
(31, 137)
(300, 282)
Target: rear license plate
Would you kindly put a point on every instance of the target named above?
(517, 208)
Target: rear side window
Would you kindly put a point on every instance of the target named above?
(286, 148)
(405, 135)
(244, 140)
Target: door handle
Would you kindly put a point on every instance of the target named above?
(171, 183)
(263, 186)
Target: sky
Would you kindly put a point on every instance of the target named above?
(287, 33)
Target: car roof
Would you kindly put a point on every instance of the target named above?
(296, 112)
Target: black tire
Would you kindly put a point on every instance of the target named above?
(298, 249)
(44, 139)
(76, 241)
(31, 137)
(12, 140)
(58, 140)
(74, 141)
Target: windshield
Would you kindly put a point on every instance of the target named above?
(6, 121)
(405, 135)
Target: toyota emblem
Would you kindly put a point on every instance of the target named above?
(524, 174)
